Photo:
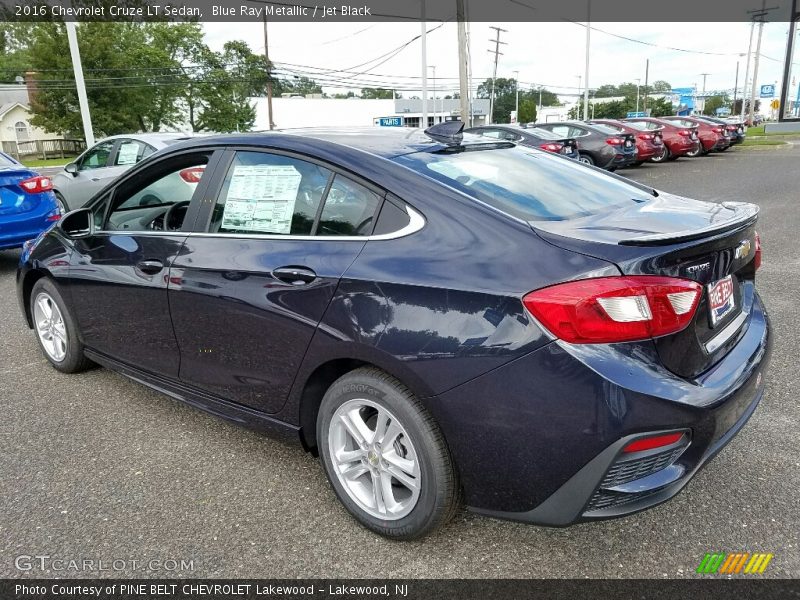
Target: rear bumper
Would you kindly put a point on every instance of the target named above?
(682, 147)
(553, 443)
(21, 231)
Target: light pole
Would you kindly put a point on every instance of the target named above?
(77, 69)
(516, 88)
(586, 67)
(434, 92)
(638, 82)
(578, 104)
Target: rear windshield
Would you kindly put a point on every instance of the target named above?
(641, 126)
(6, 161)
(605, 128)
(543, 134)
(683, 123)
(526, 183)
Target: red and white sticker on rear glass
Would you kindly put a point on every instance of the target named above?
(720, 299)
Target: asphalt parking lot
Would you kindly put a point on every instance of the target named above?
(97, 466)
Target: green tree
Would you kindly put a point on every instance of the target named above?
(661, 87)
(377, 93)
(712, 103)
(527, 111)
(506, 98)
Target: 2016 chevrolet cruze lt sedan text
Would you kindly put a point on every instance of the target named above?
(443, 318)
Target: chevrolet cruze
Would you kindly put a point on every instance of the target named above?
(441, 317)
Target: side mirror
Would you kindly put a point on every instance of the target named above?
(77, 224)
(72, 169)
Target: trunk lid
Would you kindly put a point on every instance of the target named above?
(712, 244)
(13, 200)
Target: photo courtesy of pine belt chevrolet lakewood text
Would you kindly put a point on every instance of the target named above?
(445, 318)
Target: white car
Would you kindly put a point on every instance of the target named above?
(104, 162)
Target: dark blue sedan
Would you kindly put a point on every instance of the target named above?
(27, 204)
(441, 317)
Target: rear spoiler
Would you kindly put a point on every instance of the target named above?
(743, 214)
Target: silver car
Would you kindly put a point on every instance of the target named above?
(105, 161)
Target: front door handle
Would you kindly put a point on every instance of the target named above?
(295, 275)
(151, 267)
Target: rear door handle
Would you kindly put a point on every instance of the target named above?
(294, 275)
(151, 267)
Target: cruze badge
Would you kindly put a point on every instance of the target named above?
(698, 268)
(742, 250)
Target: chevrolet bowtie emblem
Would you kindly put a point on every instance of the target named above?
(743, 249)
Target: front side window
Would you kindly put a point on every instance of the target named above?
(157, 198)
(97, 157)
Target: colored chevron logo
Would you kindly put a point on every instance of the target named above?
(734, 563)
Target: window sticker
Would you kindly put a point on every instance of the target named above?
(261, 198)
(128, 153)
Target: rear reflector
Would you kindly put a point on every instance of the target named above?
(36, 185)
(656, 441)
(615, 309)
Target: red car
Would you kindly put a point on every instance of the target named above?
(712, 136)
(649, 143)
(679, 140)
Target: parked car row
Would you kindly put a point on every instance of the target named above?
(614, 144)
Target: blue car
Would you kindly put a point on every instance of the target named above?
(27, 204)
(441, 317)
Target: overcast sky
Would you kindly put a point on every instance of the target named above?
(551, 54)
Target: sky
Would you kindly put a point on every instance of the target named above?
(549, 54)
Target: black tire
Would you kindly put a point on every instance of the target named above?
(62, 203)
(585, 159)
(439, 489)
(74, 360)
(664, 156)
(638, 163)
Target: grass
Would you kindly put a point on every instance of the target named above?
(50, 162)
(759, 131)
(762, 142)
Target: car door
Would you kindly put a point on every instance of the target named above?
(89, 178)
(119, 275)
(250, 290)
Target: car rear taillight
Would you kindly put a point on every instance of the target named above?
(193, 174)
(757, 257)
(646, 136)
(615, 309)
(654, 441)
(615, 141)
(684, 132)
(718, 130)
(36, 185)
(551, 147)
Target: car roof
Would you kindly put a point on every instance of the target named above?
(386, 142)
(157, 139)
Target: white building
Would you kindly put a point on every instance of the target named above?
(295, 112)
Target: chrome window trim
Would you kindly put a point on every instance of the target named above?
(726, 334)
(415, 223)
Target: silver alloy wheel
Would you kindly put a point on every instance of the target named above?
(585, 159)
(374, 459)
(61, 206)
(50, 326)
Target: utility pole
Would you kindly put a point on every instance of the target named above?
(497, 55)
(704, 91)
(586, 67)
(270, 122)
(735, 87)
(516, 89)
(747, 69)
(759, 15)
(77, 68)
(638, 81)
(463, 69)
(578, 103)
(646, 79)
(424, 33)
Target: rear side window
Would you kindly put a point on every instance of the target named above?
(527, 184)
(266, 193)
